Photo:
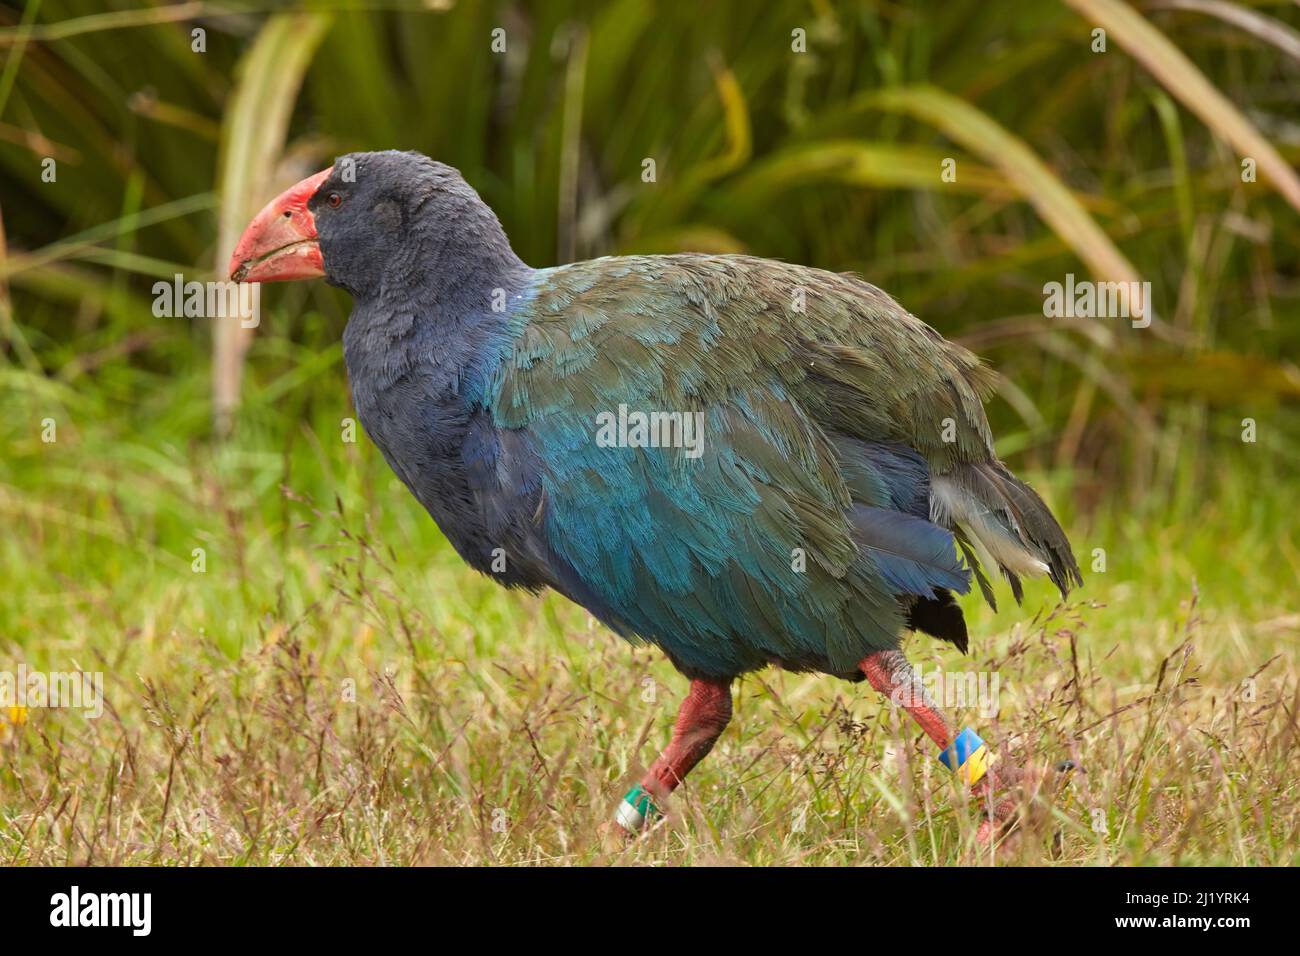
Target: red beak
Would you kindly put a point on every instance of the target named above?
(281, 243)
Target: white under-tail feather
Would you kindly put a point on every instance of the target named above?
(953, 506)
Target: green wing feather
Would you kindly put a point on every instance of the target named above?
(813, 388)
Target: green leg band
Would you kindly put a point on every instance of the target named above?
(635, 810)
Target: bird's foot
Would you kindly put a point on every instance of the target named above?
(613, 838)
(1004, 814)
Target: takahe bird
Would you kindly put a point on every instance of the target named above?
(742, 461)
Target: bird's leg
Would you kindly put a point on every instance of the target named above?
(890, 673)
(700, 721)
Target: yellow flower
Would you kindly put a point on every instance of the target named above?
(15, 715)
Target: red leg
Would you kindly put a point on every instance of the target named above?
(702, 718)
(890, 673)
(700, 721)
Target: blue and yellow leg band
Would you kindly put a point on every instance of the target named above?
(967, 756)
(635, 809)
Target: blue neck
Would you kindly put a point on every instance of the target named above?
(451, 328)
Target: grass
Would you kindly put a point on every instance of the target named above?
(338, 688)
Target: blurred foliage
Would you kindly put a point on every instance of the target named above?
(1118, 163)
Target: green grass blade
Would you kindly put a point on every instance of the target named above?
(1264, 27)
(1181, 77)
(979, 133)
(252, 139)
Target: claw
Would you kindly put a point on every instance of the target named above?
(1005, 816)
(1000, 822)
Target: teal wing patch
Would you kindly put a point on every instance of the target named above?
(726, 530)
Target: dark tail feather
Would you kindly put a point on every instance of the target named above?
(1044, 532)
(998, 510)
(940, 616)
(973, 562)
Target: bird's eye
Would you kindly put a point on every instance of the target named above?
(335, 200)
